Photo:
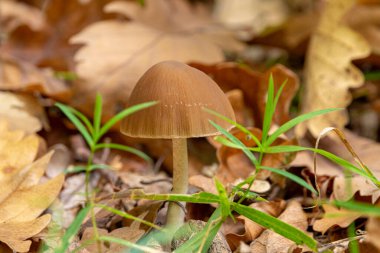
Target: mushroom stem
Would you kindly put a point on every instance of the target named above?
(176, 213)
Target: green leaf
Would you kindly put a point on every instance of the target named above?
(82, 129)
(269, 110)
(292, 177)
(276, 225)
(122, 115)
(72, 230)
(293, 122)
(363, 208)
(237, 125)
(128, 244)
(128, 216)
(84, 119)
(97, 115)
(224, 201)
(123, 148)
(76, 169)
(201, 197)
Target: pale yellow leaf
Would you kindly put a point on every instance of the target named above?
(22, 111)
(329, 73)
(14, 234)
(334, 216)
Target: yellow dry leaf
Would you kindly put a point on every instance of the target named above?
(334, 216)
(251, 17)
(116, 53)
(365, 19)
(22, 111)
(15, 13)
(22, 198)
(329, 73)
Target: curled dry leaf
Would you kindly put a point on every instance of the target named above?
(23, 199)
(22, 111)
(251, 229)
(254, 85)
(329, 72)
(334, 216)
(271, 242)
(161, 30)
(15, 14)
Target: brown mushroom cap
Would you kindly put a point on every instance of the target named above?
(182, 92)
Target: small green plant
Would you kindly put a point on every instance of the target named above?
(93, 132)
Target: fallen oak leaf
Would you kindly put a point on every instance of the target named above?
(329, 72)
(23, 199)
(15, 234)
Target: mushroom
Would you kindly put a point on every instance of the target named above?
(182, 92)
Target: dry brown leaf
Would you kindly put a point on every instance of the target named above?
(15, 14)
(251, 229)
(294, 216)
(22, 198)
(329, 72)
(271, 242)
(373, 225)
(365, 19)
(131, 234)
(22, 111)
(161, 30)
(251, 17)
(334, 216)
(17, 75)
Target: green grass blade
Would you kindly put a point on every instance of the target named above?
(97, 114)
(293, 122)
(76, 169)
(128, 244)
(82, 129)
(237, 125)
(84, 119)
(276, 225)
(224, 201)
(123, 148)
(363, 208)
(202, 241)
(201, 197)
(128, 216)
(292, 177)
(279, 92)
(122, 115)
(72, 230)
(236, 141)
(269, 109)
